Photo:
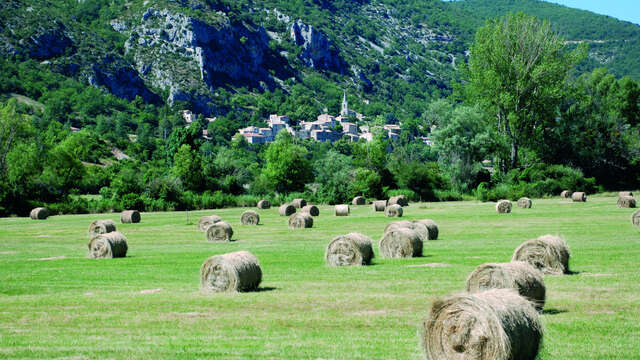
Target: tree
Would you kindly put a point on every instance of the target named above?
(186, 166)
(335, 174)
(287, 168)
(517, 72)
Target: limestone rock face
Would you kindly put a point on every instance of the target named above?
(316, 48)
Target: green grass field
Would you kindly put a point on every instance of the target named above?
(57, 303)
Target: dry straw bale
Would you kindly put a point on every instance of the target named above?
(109, 245)
(130, 217)
(495, 324)
(207, 221)
(342, 210)
(237, 271)
(431, 226)
(348, 250)
(220, 231)
(399, 199)
(264, 204)
(300, 221)
(579, 197)
(379, 205)
(525, 203)
(518, 275)
(101, 227)
(566, 194)
(626, 202)
(287, 209)
(504, 206)
(394, 210)
(625, 193)
(249, 217)
(635, 218)
(359, 200)
(401, 243)
(420, 228)
(311, 210)
(39, 213)
(299, 203)
(548, 253)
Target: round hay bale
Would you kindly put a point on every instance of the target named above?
(349, 250)
(394, 210)
(237, 271)
(219, 232)
(358, 200)
(311, 210)
(635, 218)
(101, 227)
(401, 243)
(264, 204)
(420, 228)
(566, 194)
(525, 203)
(579, 197)
(39, 213)
(342, 210)
(625, 193)
(626, 202)
(109, 245)
(398, 224)
(518, 275)
(207, 221)
(300, 221)
(250, 217)
(130, 217)
(495, 324)
(399, 199)
(379, 205)
(287, 210)
(431, 227)
(549, 254)
(504, 206)
(299, 203)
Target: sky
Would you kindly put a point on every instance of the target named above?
(628, 10)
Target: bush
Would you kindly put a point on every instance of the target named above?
(132, 202)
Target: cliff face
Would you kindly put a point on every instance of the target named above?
(316, 48)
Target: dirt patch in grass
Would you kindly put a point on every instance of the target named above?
(431, 265)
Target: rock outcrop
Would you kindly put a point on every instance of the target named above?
(316, 48)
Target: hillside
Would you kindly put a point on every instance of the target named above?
(613, 43)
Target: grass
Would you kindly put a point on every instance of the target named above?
(56, 303)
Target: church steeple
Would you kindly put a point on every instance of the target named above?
(345, 104)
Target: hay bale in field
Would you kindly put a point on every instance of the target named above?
(237, 271)
(566, 194)
(101, 227)
(342, 210)
(109, 245)
(626, 202)
(249, 217)
(358, 200)
(579, 197)
(300, 221)
(379, 205)
(394, 210)
(525, 203)
(420, 228)
(504, 206)
(348, 250)
(399, 199)
(264, 204)
(635, 218)
(219, 232)
(311, 210)
(207, 221)
(287, 210)
(130, 217)
(299, 203)
(401, 243)
(39, 213)
(431, 227)
(625, 193)
(495, 324)
(549, 254)
(518, 275)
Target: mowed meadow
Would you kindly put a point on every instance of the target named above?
(57, 303)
